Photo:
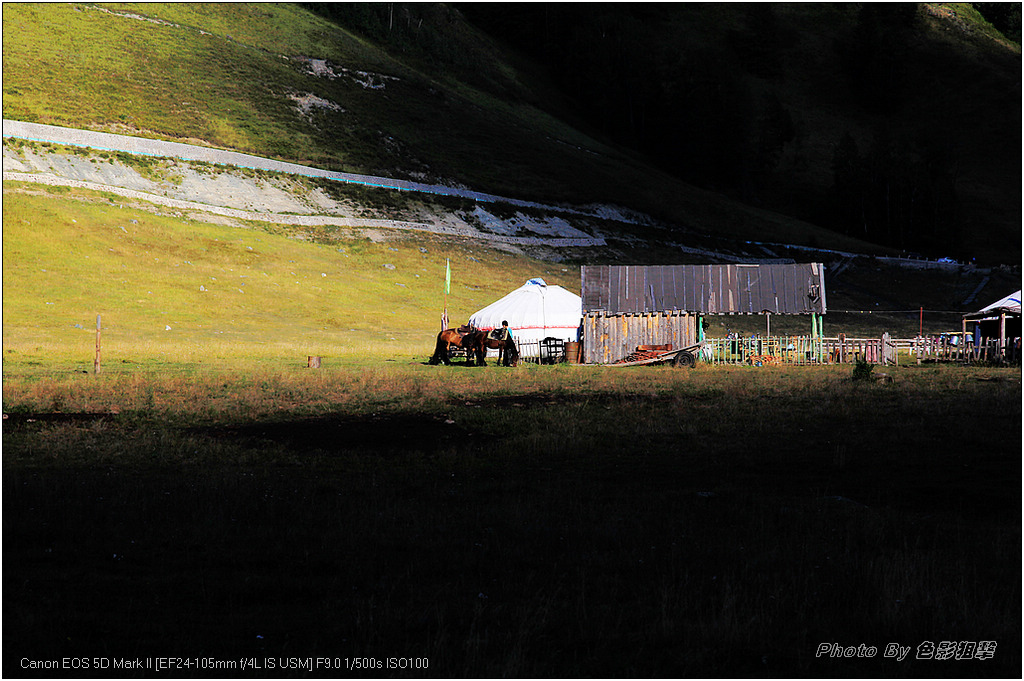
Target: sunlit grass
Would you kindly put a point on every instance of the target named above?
(173, 81)
(172, 291)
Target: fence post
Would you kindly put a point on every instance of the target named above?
(96, 361)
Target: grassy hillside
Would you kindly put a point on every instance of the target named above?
(226, 292)
(277, 80)
(190, 71)
(226, 74)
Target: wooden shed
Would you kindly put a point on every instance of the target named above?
(610, 337)
(996, 328)
(625, 306)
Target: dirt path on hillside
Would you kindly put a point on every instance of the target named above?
(279, 200)
(105, 141)
(360, 225)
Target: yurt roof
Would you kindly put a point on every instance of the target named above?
(535, 304)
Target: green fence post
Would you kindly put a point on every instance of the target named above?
(821, 338)
(814, 332)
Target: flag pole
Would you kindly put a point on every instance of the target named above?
(447, 287)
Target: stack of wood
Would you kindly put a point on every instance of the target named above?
(645, 352)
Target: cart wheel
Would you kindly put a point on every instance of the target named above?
(685, 359)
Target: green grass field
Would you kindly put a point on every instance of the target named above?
(228, 294)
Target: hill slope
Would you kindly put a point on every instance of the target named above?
(173, 289)
(280, 81)
(896, 122)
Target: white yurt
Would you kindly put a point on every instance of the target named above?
(534, 311)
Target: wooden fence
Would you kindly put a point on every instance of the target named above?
(958, 347)
(841, 350)
(792, 350)
(766, 350)
(802, 350)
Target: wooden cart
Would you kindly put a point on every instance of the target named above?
(682, 357)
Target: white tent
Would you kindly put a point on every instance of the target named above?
(534, 311)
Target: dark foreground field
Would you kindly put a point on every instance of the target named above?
(570, 522)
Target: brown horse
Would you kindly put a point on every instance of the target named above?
(508, 353)
(470, 340)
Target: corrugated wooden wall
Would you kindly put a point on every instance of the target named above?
(711, 289)
(610, 337)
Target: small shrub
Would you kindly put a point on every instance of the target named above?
(862, 370)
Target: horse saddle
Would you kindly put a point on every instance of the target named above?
(465, 329)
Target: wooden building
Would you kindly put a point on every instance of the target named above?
(625, 306)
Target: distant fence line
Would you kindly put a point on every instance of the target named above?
(960, 347)
(950, 347)
(810, 350)
(764, 350)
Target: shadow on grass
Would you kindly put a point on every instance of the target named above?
(542, 534)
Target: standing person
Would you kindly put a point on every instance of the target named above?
(503, 334)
